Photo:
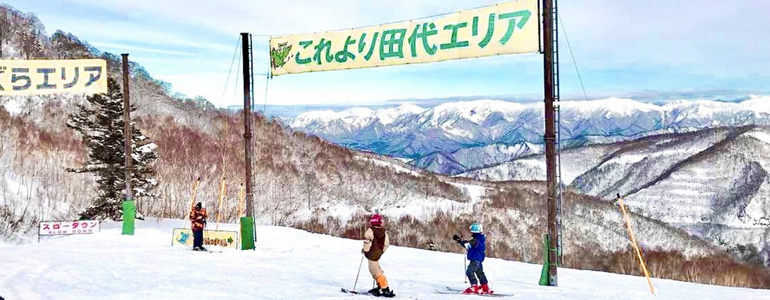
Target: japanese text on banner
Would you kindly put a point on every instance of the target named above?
(504, 28)
(43, 77)
(68, 227)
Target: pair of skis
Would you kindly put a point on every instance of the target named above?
(448, 290)
(344, 290)
(209, 251)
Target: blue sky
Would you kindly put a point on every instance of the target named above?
(647, 50)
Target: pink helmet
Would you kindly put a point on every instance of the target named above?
(376, 220)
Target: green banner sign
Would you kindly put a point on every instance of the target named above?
(504, 28)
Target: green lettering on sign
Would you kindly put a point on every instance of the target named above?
(490, 31)
(323, 44)
(524, 14)
(302, 61)
(343, 55)
(453, 43)
(392, 44)
(423, 36)
(362, 44)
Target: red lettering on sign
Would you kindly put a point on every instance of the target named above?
(55, 226)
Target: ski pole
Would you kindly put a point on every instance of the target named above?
(359, 272)
(465, 267)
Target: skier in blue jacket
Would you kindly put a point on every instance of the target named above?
(476, 248)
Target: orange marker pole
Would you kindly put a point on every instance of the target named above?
(241, 203)
(222, 189)
(636, 247)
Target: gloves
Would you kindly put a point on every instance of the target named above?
(456, 238)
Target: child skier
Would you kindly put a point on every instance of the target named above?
(476, 248)
(198, 218)
(376, 241)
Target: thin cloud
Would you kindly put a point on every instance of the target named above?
(141, 49)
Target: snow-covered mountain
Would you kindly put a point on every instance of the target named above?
(714, 183)
(455, 137)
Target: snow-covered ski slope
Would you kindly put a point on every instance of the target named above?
(287, 264)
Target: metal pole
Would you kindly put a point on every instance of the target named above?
(550, 138)
(127, 128)
(249, 147)
(359, 273)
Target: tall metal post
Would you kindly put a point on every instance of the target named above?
(248, 230)
(247, 122)
(550, 138)
(127, 127)
(129, 206)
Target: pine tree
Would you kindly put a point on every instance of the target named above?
(100, 123)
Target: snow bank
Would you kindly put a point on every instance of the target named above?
(287, 264)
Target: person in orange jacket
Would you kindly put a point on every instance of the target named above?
(198, 218)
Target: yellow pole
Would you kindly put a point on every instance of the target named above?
(636, 247)
(222, 188)
(192, 201)
(243, 199)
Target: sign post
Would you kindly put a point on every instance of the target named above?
(129, 207)
(129, 214)
(550, 138)
(247, 223)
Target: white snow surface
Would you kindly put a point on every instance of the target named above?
(764, 137)
(287, 264)
(476, 192)
(396, 167)
(12, 106)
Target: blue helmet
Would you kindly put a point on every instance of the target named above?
(476, 228)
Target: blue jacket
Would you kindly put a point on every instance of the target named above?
(477, 247)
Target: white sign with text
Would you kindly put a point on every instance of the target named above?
(68, 227)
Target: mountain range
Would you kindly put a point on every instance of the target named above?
(456, 137)
(714, 183)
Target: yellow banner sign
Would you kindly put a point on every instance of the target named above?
(504, 28)
(221, 238)
(43, 77)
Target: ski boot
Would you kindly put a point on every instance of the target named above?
(204, 249)
(473, 289)
(485, 290)
(387, 293)
(196, 248)
(375, 291)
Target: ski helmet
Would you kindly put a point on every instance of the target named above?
(476, 228)
(198, 206)
(376, 220)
